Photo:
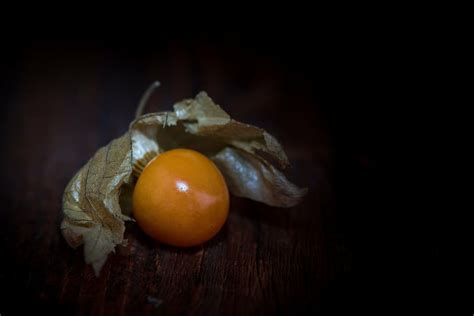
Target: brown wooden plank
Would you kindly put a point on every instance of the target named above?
(70, 100)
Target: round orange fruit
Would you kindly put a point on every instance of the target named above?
(181, 198)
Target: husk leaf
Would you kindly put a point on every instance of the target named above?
(96, 202)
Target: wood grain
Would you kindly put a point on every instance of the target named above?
(66, 101)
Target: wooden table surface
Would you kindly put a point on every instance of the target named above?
(61, 101)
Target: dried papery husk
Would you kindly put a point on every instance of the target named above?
(97, 200)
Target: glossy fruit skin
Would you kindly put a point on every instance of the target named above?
(181, 198)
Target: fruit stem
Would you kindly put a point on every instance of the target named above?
(145, 97)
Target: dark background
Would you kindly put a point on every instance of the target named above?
(322, 98)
